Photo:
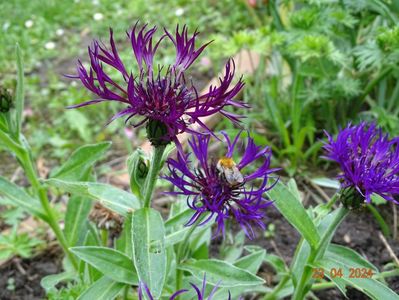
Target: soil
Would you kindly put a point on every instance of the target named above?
(20, 278)
(358, 231)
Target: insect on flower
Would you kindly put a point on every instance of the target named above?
(231, 173)
(222, 188)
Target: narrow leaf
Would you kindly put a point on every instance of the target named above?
(369, 286)
(81, 160)
(50, 281)
(21, 199)
(75, 218)
(103, 289)
(220, 272)
(251, 262)
(112, 263)
(291, 208)
(19, 95)
(115, 199)
(148, 235)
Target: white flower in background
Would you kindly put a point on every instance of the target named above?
(60, 32)
(98, 16)
(179, 12)
(95, 2)
(6, 25)
(49, 45)
(28, 23)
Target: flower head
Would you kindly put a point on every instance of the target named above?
(160, 97)
(221, 187)
(369, 160)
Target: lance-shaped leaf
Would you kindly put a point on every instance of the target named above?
(16, 196)
(103, 289)
(115, 199)
(112, 263)
(148, 236)
(80, 161)
(220, 272)
(292, 209)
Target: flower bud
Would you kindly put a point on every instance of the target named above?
(138, 169)
(351, 198)
(157, 133)
(5, 101)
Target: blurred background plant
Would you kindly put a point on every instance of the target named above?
(321, 63)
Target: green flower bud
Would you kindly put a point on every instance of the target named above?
(157, 133)
(138, 169)
(351, 198)
(5, 101)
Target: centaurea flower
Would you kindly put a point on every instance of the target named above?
(160, 97)
(369, 161)
(220, 187)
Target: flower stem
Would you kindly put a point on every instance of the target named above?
(155, 167)
(303, 286)
(380, 220)
(27, 164)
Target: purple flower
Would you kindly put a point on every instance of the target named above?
(369, 160)
(158, 96)
(143, 288)
(220, 187)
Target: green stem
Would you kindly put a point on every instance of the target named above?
(155, 167)
(302, 287)
(380, 220)
(104, 237)
(181, 250)
(374, 82)
(278, 287)
(27, 164)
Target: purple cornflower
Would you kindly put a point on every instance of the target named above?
(160, 97)
(369, 160)
(143, 288)
(219, 187)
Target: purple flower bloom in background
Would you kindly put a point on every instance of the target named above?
(369, 160)
(219, 187)
(160, 97)
(200, 292)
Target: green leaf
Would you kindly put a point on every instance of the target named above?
(327, 182)
(80, 161)
(148, 236)
(369, 286)
(292, 209)
(75, 218)
(251, 262)
(115, 199)
(178, 219)
(348, 256)
(50, 281)
(103, 289)
(112, 263)
(19, 95)
(178, 236)
(217, 271)
(124, 243)
(21, 199)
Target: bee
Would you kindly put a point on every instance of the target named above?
(231, 173)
